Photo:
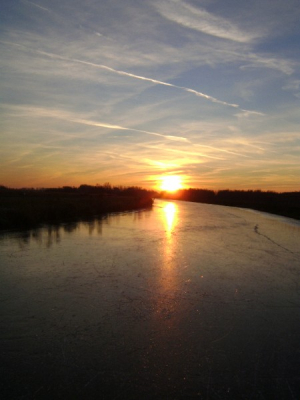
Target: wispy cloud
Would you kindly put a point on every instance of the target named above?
(143, 78)
(259, 61)
(36, 5)
(92, 91)
(125, 73)
(248, 113)
(183, 153)
(202, 21)
(293, 86)
(39, 112)
(199, 155)
(221, 150)
(118, 127)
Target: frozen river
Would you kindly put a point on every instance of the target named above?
(182, 301)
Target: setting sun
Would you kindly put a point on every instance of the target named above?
(171, 183)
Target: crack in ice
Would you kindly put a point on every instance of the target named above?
(272, 241)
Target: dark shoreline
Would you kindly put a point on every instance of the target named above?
(30, 208)
(283, 204)
(27, 208)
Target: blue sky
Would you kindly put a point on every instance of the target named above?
(129, 91)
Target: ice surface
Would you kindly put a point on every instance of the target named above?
(182, 301)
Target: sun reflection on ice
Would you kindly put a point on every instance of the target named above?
(170, 222)
(170, 216)
(166, 297)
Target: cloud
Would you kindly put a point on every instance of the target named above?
(221, 150)
(118, 127)
(111, 90)
(143, 78)
(200, 20)
(183, 153)
(293, 86)
(194, 153)
(264, 61)
(39, 112)
(125, 73)
(248, 113)
(36, 5)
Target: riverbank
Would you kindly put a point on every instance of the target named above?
(283, 204)
(24, 209)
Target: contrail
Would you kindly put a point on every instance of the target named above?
(110, 126)
(36, 5)
(38, 111)
(134, 76)
(222, 150)
(143, 78)
(183, 152)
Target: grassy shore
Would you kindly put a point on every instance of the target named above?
(26, 208)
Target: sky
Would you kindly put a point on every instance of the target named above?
(129, 91)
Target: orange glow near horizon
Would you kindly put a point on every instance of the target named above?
(171, 183)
